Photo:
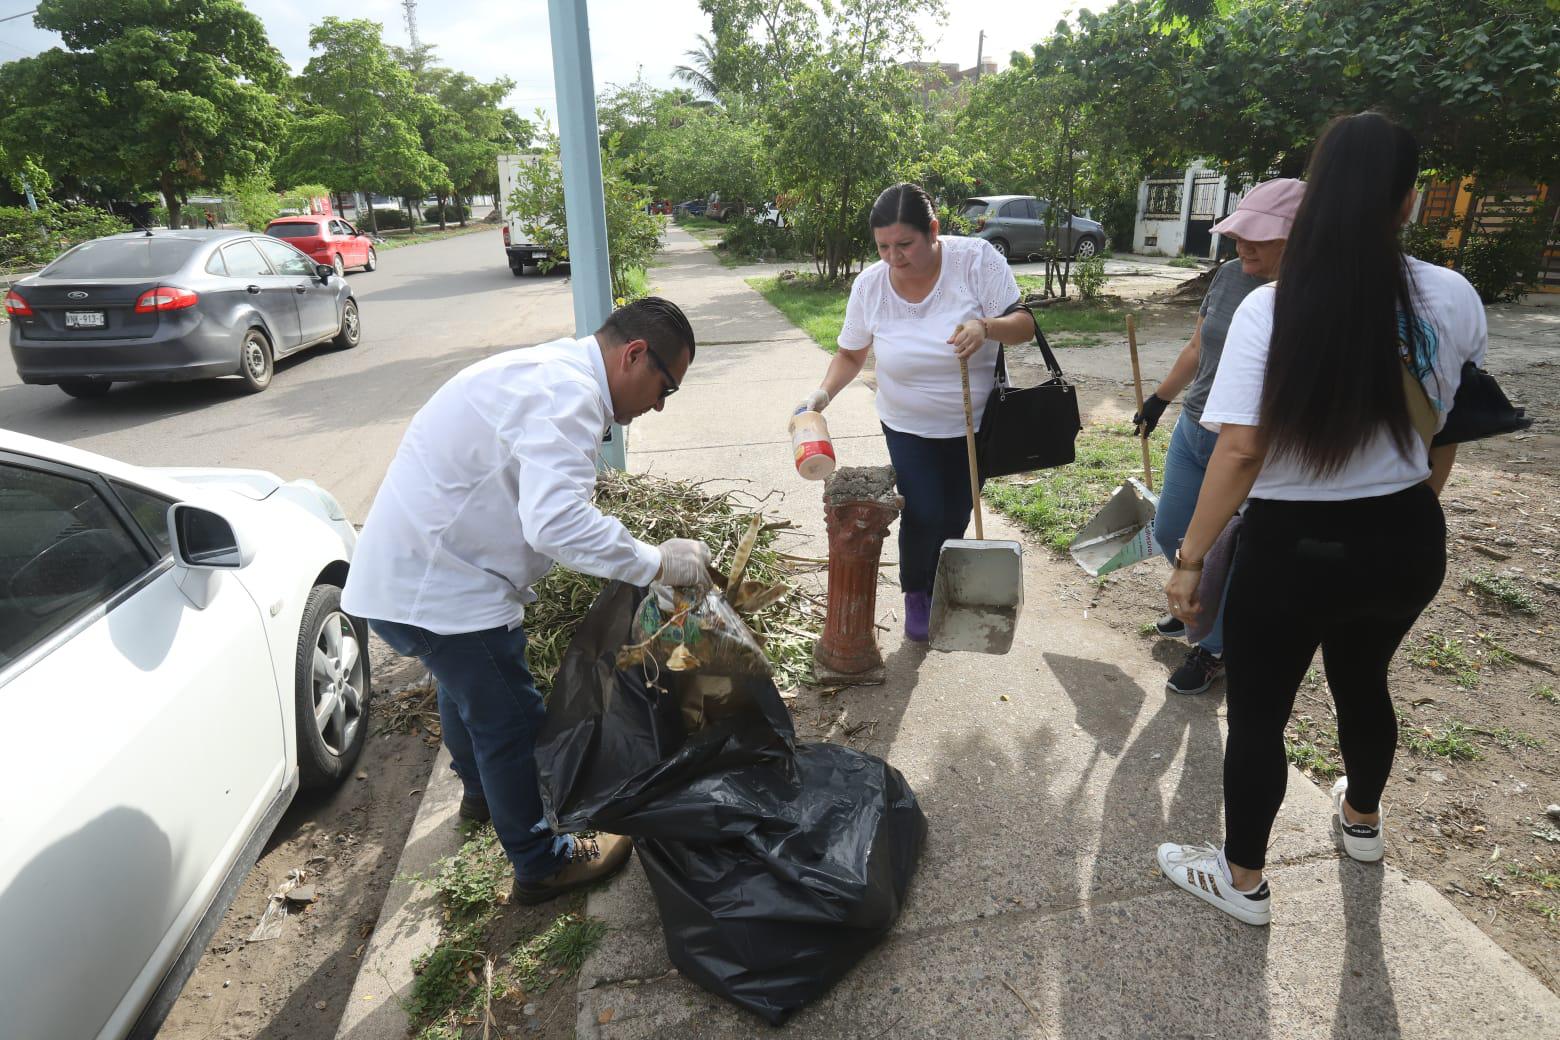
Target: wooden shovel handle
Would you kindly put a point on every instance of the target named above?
(969, 444)
(1137, 384)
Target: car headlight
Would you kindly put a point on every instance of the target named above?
(333, 508)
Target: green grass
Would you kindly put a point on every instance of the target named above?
(1446, 656)
(636, 287)
(1503, 591)
(556, 953)
(814, 306)
(1547, 693)
(1074, 315)
(1057, 503)
(396, 238)
(1314, 750)
(1182, 261)
(1451, 743)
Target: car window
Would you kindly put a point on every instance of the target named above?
(150, 512)
(140, 257)
(298, 229)
(244, 261)
(1018, 209)
(338, 228)
(215, 265)
(285, 258)
(63, 551)
(973, 208)
(1042, 207)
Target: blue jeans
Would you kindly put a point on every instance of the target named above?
(934, 477)
(1186, 463)
(490, 713)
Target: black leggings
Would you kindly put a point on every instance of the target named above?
(1350, 577)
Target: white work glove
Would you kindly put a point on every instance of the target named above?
(684, 563)
(816, 401)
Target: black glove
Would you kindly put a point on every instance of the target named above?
(1145, 421)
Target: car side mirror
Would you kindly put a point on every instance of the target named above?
(324, 271)
(205, 540)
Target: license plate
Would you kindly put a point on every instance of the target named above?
(540, 254)
(84, 319)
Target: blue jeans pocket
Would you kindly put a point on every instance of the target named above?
(406, 640)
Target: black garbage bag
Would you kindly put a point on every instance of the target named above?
(775, 865)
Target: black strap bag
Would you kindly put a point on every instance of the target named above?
(1028, 428)
(1480, 410)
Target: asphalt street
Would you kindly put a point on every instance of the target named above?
(334, 416)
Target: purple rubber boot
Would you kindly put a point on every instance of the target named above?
(918, 616)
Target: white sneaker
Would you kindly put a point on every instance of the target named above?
(1196, 868)
(1361, 841)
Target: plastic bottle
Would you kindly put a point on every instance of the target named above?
(811, 445)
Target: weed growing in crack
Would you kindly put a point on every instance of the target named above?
(1446, 656)
(1505, 592)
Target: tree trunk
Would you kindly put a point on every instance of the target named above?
(373, 224)
(460, 208)
(441, 197)
(411, 216)
(173, 203)
(1474, 198)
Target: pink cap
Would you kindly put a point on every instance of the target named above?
(1266, 213)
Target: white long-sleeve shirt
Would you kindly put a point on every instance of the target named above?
(491, 484)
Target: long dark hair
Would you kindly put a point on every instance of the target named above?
(903, 203)
(1344, 292)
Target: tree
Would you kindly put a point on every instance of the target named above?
(700, 73)
(357, 126)
(146, 94)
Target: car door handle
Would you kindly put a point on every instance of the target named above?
(253, 290)
(300, 289)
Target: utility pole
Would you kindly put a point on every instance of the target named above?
(410, 7)
(980, 53)
(584, 201)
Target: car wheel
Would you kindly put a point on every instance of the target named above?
(255, 361)
(1086, 249)
(518, 270)
(332, 681)
(372, 261)
(1000, 245)
(341, 268)
(86, 389)
(351, 332)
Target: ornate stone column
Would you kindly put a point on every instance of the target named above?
(859, 504)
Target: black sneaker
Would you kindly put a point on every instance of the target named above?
(1199, 671)
(1171, 627)
(474, 807)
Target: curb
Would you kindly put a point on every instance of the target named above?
(410, 920)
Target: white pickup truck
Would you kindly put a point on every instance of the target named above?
(518, 246)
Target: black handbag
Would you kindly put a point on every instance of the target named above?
(1028, 428)
(1480, 410)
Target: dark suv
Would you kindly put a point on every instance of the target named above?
(1015, 226)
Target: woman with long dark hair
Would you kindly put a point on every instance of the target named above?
(926, 304)
(1334, 379)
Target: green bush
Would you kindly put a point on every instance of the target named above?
(1502, 265)
(32, 239)
(1089, 277)
(951, 222)
(452, 213)
(386, 219)
(751, 239)
(1427, 241)
(1118, 213)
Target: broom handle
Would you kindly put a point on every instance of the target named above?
(969, 444)
(1137, 384)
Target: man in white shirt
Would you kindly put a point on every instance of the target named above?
(491, 485)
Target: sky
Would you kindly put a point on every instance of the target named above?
(629, 38)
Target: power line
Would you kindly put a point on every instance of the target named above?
(13, 17)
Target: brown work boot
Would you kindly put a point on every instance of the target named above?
(595, 859)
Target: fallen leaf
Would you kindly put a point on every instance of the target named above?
(362, 774)
(605, 1017)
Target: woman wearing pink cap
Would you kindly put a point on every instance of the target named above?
(1259, 226)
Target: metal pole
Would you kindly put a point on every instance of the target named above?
(32, 203)
(584, 201)
(980, 53)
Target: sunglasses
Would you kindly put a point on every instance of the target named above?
(666, 374)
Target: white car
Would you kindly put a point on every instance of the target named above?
(174, 665)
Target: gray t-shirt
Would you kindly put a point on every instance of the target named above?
(1229, 287)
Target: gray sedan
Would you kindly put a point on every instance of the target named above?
(174, 305)
(1016, 226)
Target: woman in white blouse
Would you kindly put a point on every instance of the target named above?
(907, 307)
(1333, 382)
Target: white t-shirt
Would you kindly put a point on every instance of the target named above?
(919, 390)
(1452, 331)
(491, 484)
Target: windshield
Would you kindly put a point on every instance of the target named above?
(972, 208)
(141, 257)
(310, 230)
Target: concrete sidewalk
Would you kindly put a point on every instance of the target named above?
(1038, 910)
